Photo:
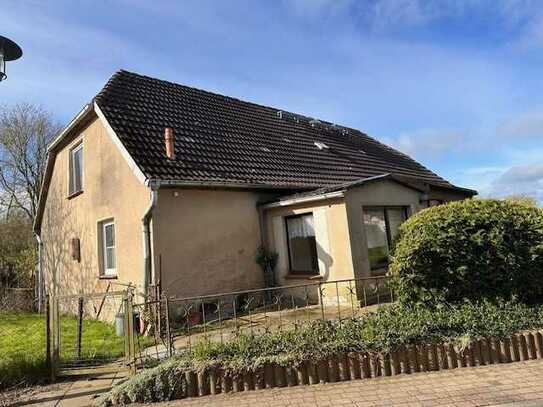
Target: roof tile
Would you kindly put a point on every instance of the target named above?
(220, 138)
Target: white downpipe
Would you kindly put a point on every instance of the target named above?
(146, 220)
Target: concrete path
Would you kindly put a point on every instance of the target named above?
(76, 393)
(518, 383)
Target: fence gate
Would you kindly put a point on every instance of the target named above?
(91, 333)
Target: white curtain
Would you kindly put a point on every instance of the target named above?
(301, 226)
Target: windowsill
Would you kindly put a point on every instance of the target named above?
(293, 276)
(73, 195)
(104, 277)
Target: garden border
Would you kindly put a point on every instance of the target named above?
(522, 346)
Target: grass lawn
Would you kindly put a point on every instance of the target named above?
(22, 346)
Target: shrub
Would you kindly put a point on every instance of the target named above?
(470, 250)
(382, 331)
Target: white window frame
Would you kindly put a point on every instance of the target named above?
(109, 271)
(71, 169)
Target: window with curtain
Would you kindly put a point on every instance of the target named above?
(76, 169)
(302, 246)
(382, 225)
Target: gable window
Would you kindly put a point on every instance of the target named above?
(382, 225)
(302, 246)
(76, 169)
(107, 248)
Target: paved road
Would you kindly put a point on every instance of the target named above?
(519, 383)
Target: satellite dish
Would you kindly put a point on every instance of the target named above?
(9, 51)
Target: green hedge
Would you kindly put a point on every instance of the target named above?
(470, 250)
(382, 331)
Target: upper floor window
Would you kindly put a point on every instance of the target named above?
(382, 225)
(302, 246)
(76, 169)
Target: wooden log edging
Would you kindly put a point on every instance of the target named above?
(353, 366)
(408, 359)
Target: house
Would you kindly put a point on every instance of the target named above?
(155, 181)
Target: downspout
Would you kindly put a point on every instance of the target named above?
(40, 272)
(146, 221)
(148, 278)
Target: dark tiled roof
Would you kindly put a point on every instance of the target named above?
(226, 140)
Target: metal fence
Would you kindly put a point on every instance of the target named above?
(117, 331)
(87, 332)
(22, 346)
(176, 324)
(17, 300)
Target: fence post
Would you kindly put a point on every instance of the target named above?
(54, 336)
(47, 333)
(168, 333)
(125, 331)
(321, 301)
(158, 313)
(79, 326)
(129, 333)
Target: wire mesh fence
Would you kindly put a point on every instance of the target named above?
(22, 347)
(177, 324)
(17, 300)
(87, 329)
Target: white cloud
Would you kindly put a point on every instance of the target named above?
(427, 143)
(317, 8)
(386, 14)
(524, 126)
(526, 174)
(520, 179)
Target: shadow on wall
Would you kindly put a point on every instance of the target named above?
(63, 273)
(326, 260)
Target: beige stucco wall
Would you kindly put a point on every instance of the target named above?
(207, 241)
(110, 190)
(331, 235)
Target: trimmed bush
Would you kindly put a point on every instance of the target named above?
(470, 249)
(382, 331)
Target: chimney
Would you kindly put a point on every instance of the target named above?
(169, 141)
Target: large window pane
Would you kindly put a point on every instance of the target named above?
(110, 258)
(302, 245)
(376, 235)
(108, 248)
(76, 169)
(110, 235)
(396, 216)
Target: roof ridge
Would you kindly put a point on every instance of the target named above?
(276, 109)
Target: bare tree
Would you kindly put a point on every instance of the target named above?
(25, 132)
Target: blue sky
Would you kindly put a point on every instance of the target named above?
(456, 84)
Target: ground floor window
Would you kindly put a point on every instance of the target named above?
(302, 246)
(382, 224)
(106, 230)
